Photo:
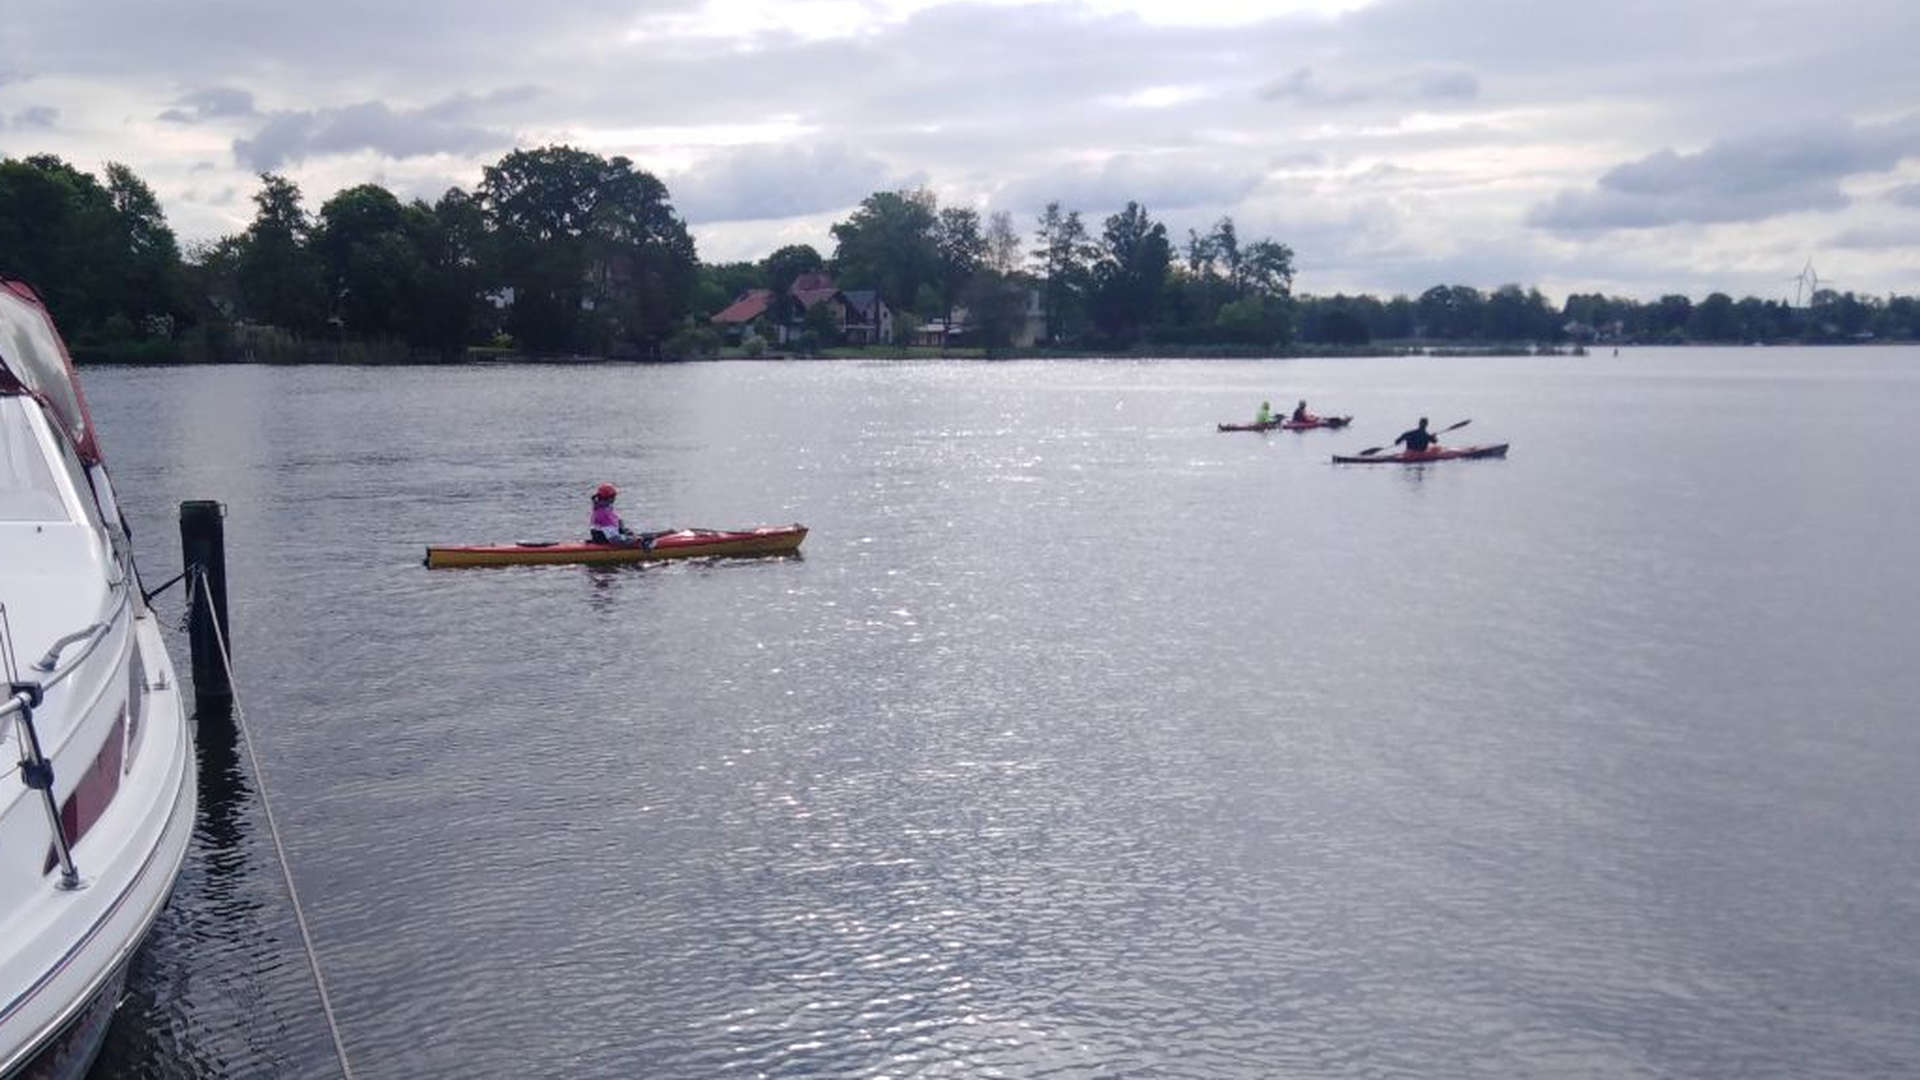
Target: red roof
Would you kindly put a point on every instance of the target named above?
(810, 297)
(751, 305)
(813, 282)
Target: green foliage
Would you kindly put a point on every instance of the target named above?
(368, 245)
(592, 249)
(594, 259)
(961, 248)
(1254, 320)
(103, 258)
(692, 342)
(720, 284)
(996, 308)
(822, 322)
(753, 345)
(1131, 276)
(1065, 256)
(888, 245)
(282, 282)
(779, 270)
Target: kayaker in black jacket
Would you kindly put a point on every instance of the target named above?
(1419, 439)
(1301, 415)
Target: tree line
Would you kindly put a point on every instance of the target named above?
(559, 250)
(1125, 286)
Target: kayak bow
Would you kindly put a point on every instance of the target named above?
(1498, 450)
(677, 544)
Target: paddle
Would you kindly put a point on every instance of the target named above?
(1372, 450)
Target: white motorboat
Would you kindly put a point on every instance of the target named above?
(97, 774)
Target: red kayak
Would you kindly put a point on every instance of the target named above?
(1438, 453)
(1291, 425)
(1331, 422)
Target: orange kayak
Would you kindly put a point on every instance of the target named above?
(674, 544)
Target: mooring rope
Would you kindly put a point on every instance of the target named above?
(197, 591)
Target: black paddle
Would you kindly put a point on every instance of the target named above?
(1372, 450)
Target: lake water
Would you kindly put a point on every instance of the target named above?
(1083, 741)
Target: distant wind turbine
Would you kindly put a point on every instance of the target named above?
(1809, 281)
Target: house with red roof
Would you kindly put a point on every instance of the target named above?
(733, 319)
(861, 316)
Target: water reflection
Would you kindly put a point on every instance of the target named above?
(1024, 769)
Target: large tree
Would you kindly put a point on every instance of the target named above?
(368, 245)
(888, 245)
(591, 247)
(1064, 256)
(785, 266)
(281, 282)
(102, 257)
(961, 249)
(1132, 273)
(460, 265)
(152, 285)
(1003, 244)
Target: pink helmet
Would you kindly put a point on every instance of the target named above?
(605, 491)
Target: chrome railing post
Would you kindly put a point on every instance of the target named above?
(37, 773)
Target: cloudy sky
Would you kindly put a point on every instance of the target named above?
(1635, 147)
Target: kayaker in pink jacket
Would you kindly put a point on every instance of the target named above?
(604, 526)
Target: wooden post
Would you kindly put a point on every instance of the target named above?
(203, 544)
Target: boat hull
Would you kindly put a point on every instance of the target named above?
(678, 544)
(130, 861)
(1497, 450)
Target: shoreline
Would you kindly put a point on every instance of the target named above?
(360, 355)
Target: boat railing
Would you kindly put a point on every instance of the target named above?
(52, 658)
(94, 635)
(24, 697)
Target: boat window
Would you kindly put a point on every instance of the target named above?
(27, 488)
(136, 703)
(77, 475)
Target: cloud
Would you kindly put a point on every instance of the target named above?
(1905, 235)
(777, 181)
(41, 117)
(1905, 195)
(1158, 182)
(1431, 87)
(1744, 179)
(294, 136)
(464, 106)
(212, 103)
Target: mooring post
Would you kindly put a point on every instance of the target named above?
(203, 544)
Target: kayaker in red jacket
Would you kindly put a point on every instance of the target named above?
(604, 526)
(1419, 439)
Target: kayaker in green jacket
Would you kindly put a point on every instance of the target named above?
(1265, 415)
(1419, 439)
